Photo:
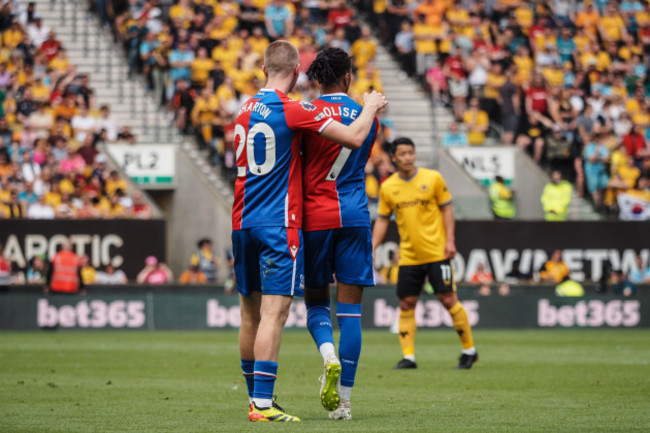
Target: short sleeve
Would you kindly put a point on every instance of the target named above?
(303, 115)
(384, 208)
(442, 194)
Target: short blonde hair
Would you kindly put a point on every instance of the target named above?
(280, 57)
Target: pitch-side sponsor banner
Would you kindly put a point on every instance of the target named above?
(187, 310)
(147, 165)
(588, 247)
(124, 243)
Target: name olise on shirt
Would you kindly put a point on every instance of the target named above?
(340, 111)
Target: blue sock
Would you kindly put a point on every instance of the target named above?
(319, 322)
(349, 318)
(247, 368)
(265, 373)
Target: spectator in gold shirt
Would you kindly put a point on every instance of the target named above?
(554, 270)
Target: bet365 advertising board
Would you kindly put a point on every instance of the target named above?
(524, 308)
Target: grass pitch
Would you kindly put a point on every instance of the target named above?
(532, 381)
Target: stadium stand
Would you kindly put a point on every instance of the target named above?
(50, 130)
(566, 81)
(202, 60)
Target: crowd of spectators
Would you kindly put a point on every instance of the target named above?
(50, 128)
(202, 60)
(565, 80)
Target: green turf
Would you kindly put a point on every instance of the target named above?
(532, 381)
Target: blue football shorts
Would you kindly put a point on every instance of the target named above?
(270, 260)
(345, 252)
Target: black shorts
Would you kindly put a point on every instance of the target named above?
(410, 279)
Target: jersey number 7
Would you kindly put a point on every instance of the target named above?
(339, 163)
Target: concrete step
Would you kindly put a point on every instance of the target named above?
(443, 119)
(404, 95)
(102, 74)
(106, 56)
(404, 88)
(98, 63)
(394, 110)
(419, 117)
(415, 102)
(128, 89)
(422, 123)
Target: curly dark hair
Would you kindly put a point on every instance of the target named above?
(330, 66)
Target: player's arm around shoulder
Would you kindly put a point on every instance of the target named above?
(353, 135)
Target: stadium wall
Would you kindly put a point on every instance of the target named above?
(123, 242)
(471, 201)
(194, 210)
(588, 247)
(184, 308)
(529, 184)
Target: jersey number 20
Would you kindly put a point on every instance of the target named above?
(249, 143)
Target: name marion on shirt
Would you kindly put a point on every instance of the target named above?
(255, 107)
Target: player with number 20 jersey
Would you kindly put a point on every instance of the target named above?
(268, 190)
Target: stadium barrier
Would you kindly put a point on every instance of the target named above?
(588, 247)
(201, 308)
(123, 242)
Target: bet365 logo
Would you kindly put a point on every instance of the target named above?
(590, 314)
(92, 314)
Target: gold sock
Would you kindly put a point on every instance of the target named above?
(461, 324)
(407, 328)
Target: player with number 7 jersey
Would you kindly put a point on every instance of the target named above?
(334, 176)
(336, 233)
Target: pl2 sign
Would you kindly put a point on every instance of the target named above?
(150, 166)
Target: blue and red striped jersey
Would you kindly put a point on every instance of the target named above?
(268, 137)
(334, 177)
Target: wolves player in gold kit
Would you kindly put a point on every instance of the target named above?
(425, 221)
